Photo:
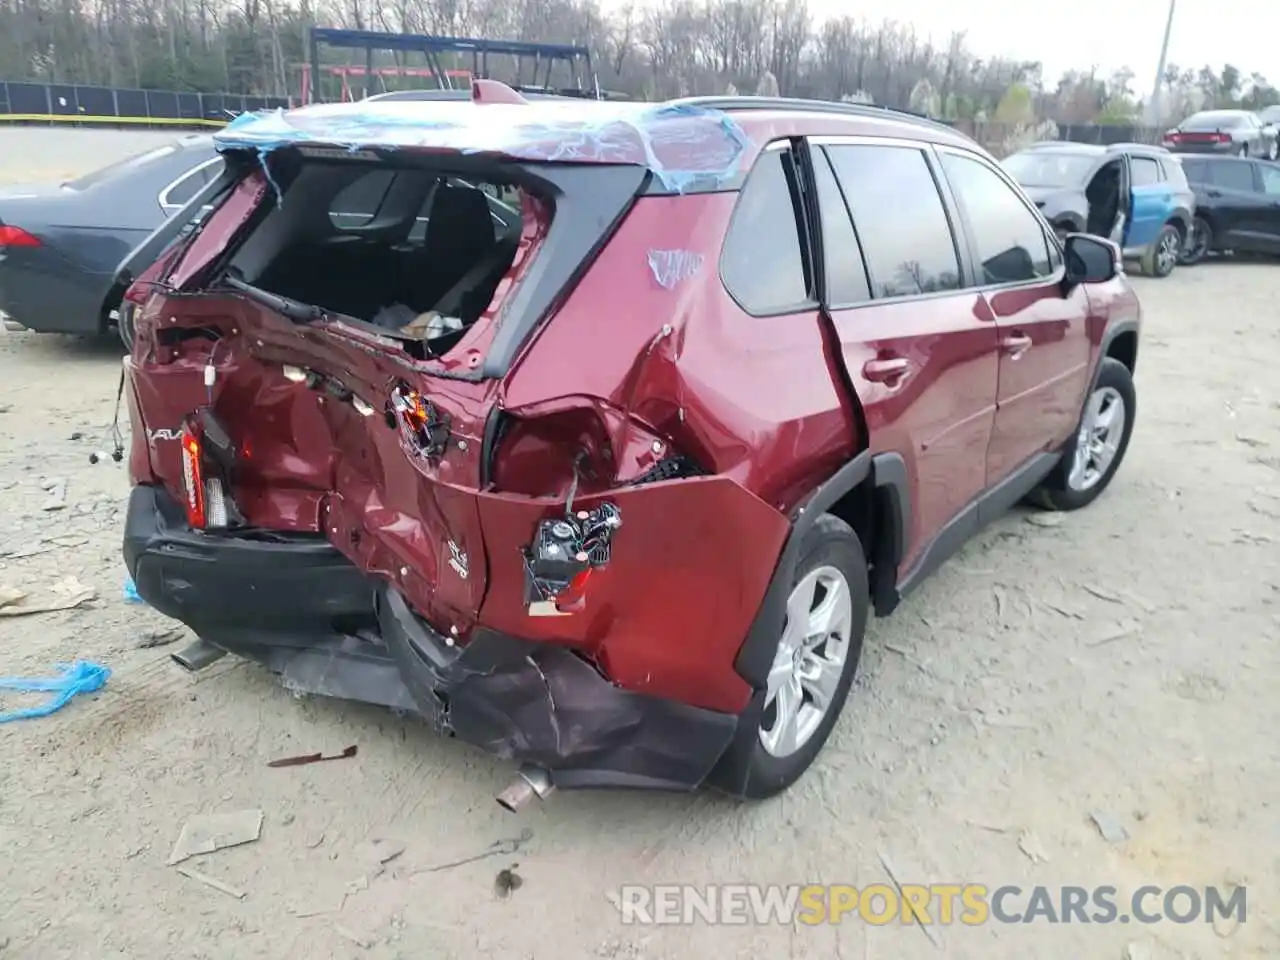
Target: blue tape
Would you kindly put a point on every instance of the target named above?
(683, 144)
(74, 679)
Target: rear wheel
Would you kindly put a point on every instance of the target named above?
(1092, 457)
(1162, 256)
(1243, 151)
(124, 326)
(1197, 248)
(813, 667)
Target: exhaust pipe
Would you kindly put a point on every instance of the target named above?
(198, 656)
(530, 782)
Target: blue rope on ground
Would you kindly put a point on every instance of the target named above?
(75, 678)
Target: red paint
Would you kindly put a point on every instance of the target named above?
(628, 372)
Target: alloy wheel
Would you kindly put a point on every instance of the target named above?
(1167, 252)
(1098, 440)
(810, 661)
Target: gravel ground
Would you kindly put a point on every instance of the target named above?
(1123, 660)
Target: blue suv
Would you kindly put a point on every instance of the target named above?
(1131, 193)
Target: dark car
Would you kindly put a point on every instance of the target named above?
(1240, 133)
(1237, 206)
(1135, 195)
(553, 511)
(60, 244)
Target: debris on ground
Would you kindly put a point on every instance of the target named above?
(1030, 844)
(212, 882)
(1102, 594)
(206, 833)
(916, 913)
(498, 848)
(1125, 628)
(373, 855)
(346, 754)
(1111, 829)
(130, 592)
(82, 676)
(1045, 519)
(507, 881)
(56, 487)
(359, 940)
(63, 595)
(159, 638)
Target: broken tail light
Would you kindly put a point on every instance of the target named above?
(422, 425)
(193, 475)
(564, 553)
(208, 459)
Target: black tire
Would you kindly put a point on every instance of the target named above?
(124, 326)
(1200, 244)
(1243, 151)
(1062, 229)
(1159, 259)
(1058, 492)
(748, 770)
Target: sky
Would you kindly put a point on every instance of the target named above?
(1079, 34)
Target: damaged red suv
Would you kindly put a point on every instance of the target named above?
(593, 432)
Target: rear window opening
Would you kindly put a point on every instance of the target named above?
(416, 253)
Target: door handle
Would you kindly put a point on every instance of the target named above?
(1016, 345)
(886, 370)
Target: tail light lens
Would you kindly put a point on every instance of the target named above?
(193, 476)
(1224, 138)
(17, 237)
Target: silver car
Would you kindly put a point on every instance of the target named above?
(1234, 133)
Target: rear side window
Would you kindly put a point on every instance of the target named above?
(188, 186)
(358, 203)
(901, 221)
(845, 271)
(1173, 172)
(1270, 180)
(1231, 175)
(1197, 171)
(1011, 242)
(1145, 171)
(763, 261)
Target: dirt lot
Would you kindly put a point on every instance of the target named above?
(1123, 661)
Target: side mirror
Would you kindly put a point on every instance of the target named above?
(1091, 259)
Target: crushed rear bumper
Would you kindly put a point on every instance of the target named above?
(299, 607)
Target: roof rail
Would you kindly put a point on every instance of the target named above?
(825, 106)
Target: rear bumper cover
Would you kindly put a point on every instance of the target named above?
(304, 611)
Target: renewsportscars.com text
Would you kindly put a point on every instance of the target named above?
(941, 904)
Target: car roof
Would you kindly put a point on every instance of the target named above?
(696, 143)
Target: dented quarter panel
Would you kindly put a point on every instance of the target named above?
(668, 613)
(754, 399)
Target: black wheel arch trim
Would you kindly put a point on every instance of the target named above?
(888, 472)
(1109, 337)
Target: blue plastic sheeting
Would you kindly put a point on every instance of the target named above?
(130, 592)
(684, 145)
(672, 267)
(74, 678)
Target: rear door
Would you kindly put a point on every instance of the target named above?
(1044, 346)
(1236, 193)
(1151, 201)
(919, 348)
(1269, 174)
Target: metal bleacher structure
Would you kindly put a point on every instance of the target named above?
(446, 63)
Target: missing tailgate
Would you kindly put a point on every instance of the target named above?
(411, 252)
